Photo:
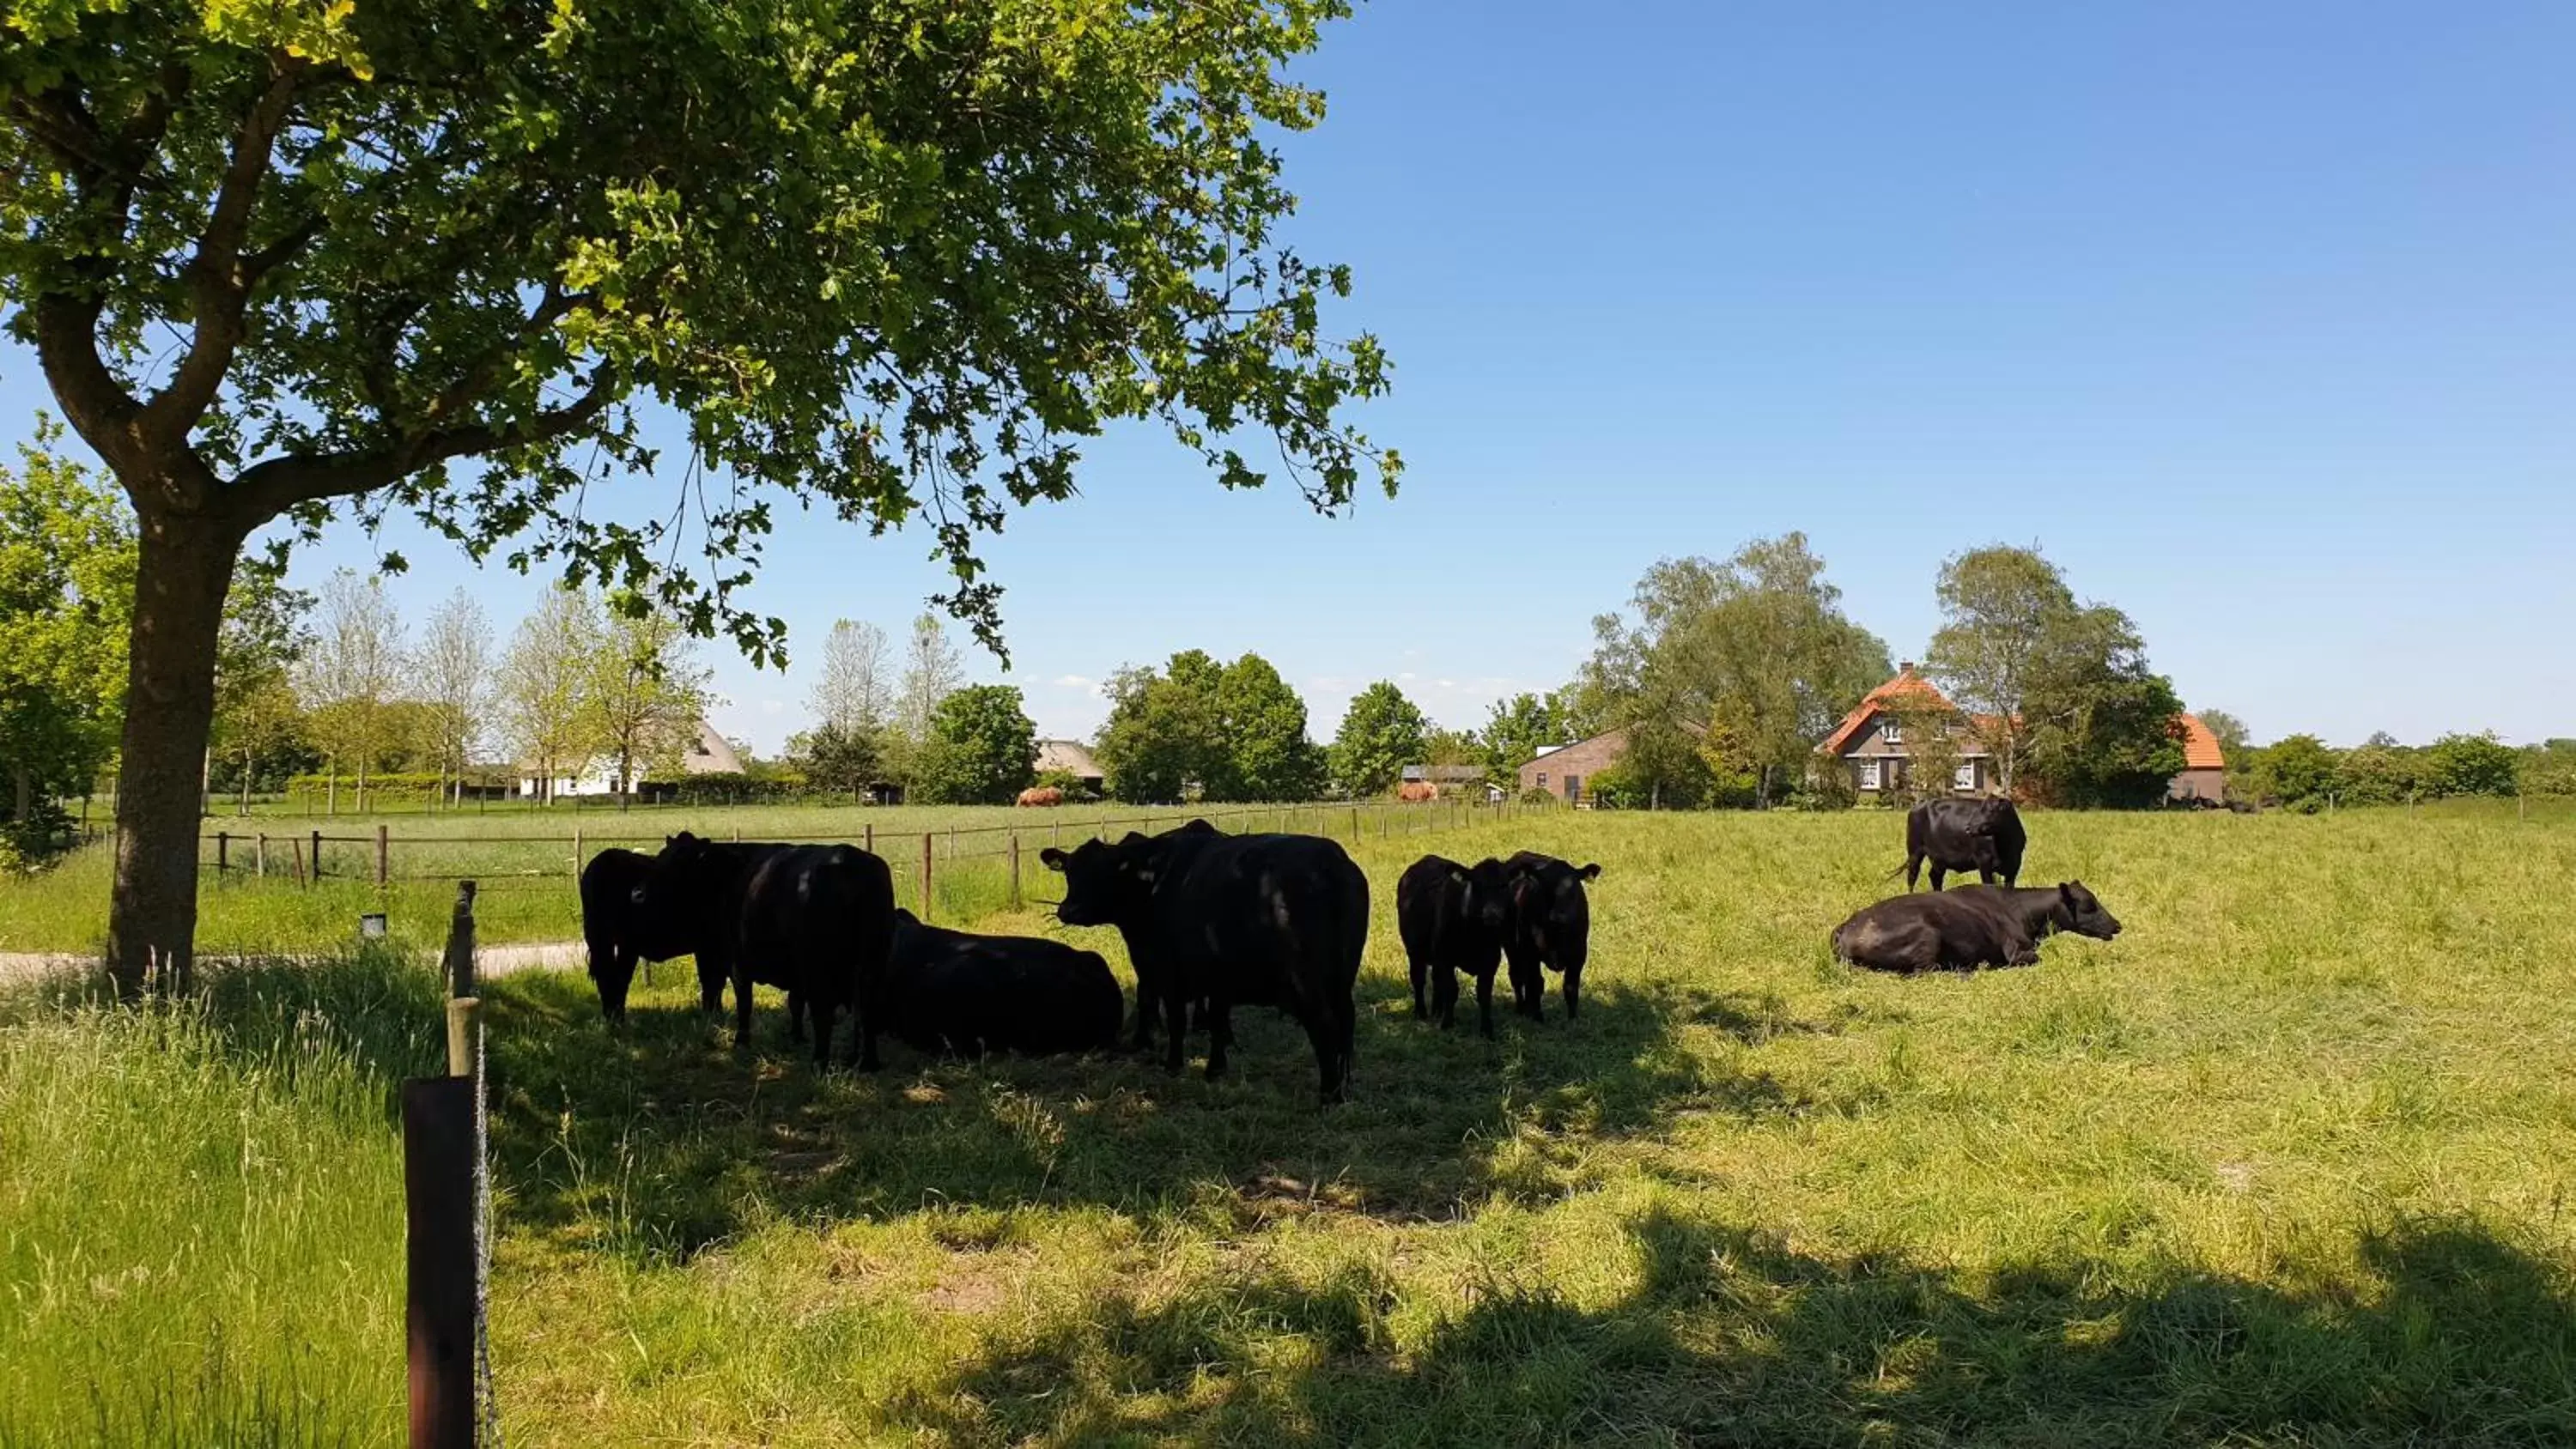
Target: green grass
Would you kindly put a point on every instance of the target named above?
(2284, 1164)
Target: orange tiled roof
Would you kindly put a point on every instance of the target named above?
(2200, 749)
(1906, 682)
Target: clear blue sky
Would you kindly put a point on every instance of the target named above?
(2260, 319)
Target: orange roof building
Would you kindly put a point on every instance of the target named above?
(1871, 743)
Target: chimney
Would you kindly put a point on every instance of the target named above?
(1905, 668)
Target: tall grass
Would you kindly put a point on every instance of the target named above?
(2286, 1163)
(201, 1212)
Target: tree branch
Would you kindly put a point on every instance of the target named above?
(218, 280)
(268, 489)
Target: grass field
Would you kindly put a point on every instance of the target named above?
(2285, 1164)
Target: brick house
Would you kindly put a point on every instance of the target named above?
(1870, 743)
(1562, 769)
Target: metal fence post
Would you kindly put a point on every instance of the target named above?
(384, 854)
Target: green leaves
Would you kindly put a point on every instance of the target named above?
(982, 750)
(1236, 732)
(889, 259)
(1381, 733)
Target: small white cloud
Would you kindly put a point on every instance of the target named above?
(773, 706)
(1077, 681)
(1448, 684)
(1407, 677)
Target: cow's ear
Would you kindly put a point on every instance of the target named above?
(1458, 873)
(2066, 893)
(1053, 859)
(1590, 872)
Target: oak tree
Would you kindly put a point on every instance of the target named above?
(885, 260)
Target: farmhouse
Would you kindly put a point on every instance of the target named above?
(1872, 743)
(1448, 779)
(1073, 759)
(708, 754)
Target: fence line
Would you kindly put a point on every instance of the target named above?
(300, 855)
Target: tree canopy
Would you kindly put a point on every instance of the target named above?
(1381, 733)
(982, 750)
(1756, 652)
(890, 261)
(1235, 732)
(67, 548)
(1515, 730)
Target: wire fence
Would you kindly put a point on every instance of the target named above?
(927, 860)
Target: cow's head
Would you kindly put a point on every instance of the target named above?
(1102, 881)
(1488, 884)
(661, 890)
(2083, 912)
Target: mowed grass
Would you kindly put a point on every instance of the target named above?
(2284, 1164)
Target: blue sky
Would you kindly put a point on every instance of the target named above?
(2260, 320)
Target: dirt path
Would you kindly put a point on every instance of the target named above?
(18, 966)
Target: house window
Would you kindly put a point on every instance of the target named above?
(1894, 734)
(1542, 779)
(1869, 774)
(1965, 777)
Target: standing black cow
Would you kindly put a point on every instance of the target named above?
(1453, 918)
(948, 991)
(619, 932)
(1963, 835)
(690, 897)
(1551, 927)
(1969, 927)
(1241, 920)
(818, 922)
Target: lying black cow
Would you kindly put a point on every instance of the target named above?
(1241, 920)
(1453, 918)
(1969, 927)
(618, 932)
(818, 922)
(689, 899)
(1964, 835)
(947, 991)
(1551, 927)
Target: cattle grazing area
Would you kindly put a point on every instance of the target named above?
(2284, 1162)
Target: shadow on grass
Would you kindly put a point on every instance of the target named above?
(661, 1139)
(1732, 1339)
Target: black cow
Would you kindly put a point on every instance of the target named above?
(1964, 835)
(818, 922)
(1240, 920)
(1969, 927)
(1551, 926)
(1453, 918)
(619, 932)
(947, 991)
(690, 897)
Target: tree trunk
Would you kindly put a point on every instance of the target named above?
(26, 797)
(183, 571)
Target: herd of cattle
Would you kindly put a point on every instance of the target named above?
(1211, 921)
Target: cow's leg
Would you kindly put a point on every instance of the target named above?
(1573, 992)
(1940, 873)
(1528, 988)
(1444, 994)
(1914, 871)
(1176, 1022)
(1485, 1001)
(825, 1010)
(1220, 1016)
(1327, 1032)
(712, 970)
(1421, 976)
(742, 1000)
(1148, 1001)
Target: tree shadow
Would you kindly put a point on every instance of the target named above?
(661, 1139)
(1730, 1338)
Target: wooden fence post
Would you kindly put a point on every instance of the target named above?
(1355, 825)
(384, 855)
(1015, 870)
(317, 858)
(442, 1155)
(925, 875)
(871, 846)
(259, 856)
(296, 844)
(223, 854)
(576, 851)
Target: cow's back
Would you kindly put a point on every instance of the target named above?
(1273, 902)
